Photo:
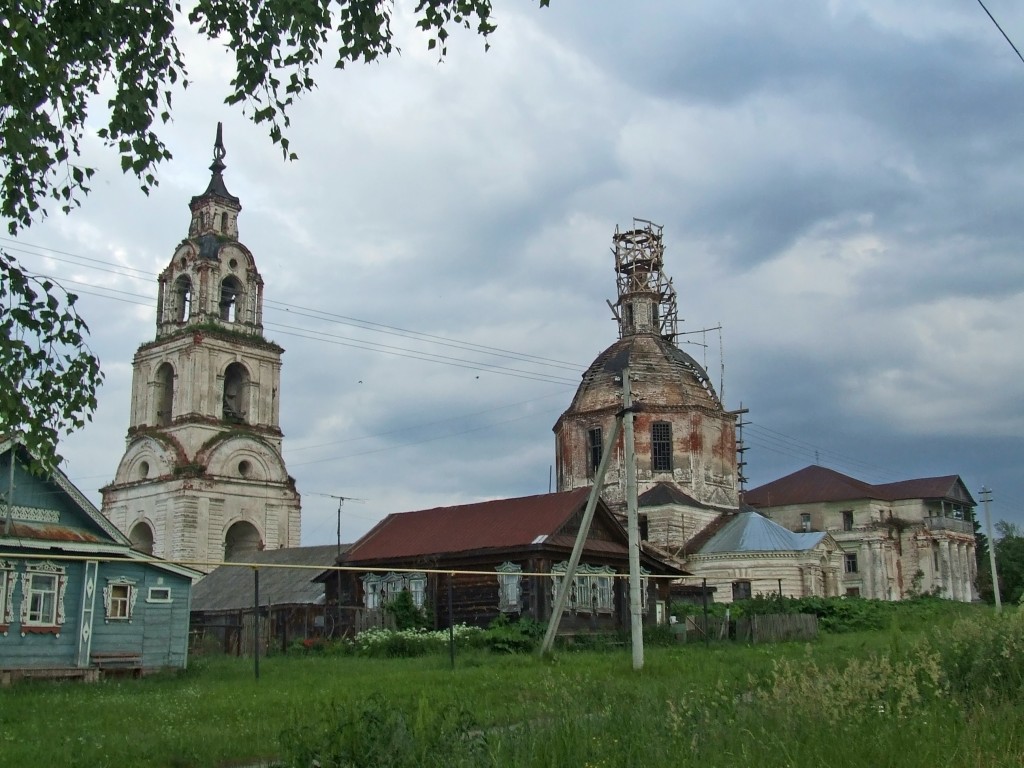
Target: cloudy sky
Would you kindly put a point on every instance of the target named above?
(839, 183)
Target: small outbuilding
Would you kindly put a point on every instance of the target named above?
(291, 603)
(750, 555)
(475, 562)
(75, 599)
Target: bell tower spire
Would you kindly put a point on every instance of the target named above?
(203, 477)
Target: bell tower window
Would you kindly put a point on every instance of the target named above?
(164, 394)
(230, 300)
(182, 298)
(236, 385)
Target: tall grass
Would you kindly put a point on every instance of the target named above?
(950, 696)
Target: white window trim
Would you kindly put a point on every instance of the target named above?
(7, 578)
(151, 598)
(592, 589)
(379, 590)
(44, 568)
(510, 580)
(108, 599)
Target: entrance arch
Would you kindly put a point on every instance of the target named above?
(141, 537)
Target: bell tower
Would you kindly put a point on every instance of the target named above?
(202, 478)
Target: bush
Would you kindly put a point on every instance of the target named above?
(504, 636)
(407, 643)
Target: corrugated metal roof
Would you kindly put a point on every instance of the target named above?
(816, 484)
(470, 527)
(750, 531)
(230, 587)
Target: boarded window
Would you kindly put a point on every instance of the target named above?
(661, 446)
(741, 590)
(848, 520)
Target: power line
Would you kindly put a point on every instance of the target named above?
(1001, 30)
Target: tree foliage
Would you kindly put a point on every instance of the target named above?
(1009, 549)
(48, 376)
(61, 58)
(60, 55)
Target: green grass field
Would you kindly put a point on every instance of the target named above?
(943, 691)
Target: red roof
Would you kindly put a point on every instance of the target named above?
(816, 484)
(497, 524)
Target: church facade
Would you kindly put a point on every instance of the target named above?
(203, 478)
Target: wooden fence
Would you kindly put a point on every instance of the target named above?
(771, 628)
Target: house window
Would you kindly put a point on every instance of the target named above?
(592, 589)
(119, 599)
(661, 446)
(418, 587)
(850, 562)
(848, 520)
(741, 590)
(510, 581)
(42, 605)
(379, 590)
(805, 521)
(6, 595)
(594, 448)
(159, 595)
(644, 584)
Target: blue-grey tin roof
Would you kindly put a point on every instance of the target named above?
(751, 531)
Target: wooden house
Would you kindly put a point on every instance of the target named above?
(475, 562)
(75, 598)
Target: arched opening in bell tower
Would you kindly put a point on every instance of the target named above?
(241, 539)
(182, 298)
(236, 386)
(141, 537)
(231, 300)
(164, 394)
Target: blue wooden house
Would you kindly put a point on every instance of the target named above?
(75, 598)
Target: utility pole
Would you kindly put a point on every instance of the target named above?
(986, 497)
(632, 526)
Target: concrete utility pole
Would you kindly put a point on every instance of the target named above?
(986, 497)
(632, 527)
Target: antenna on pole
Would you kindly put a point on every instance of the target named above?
(337, 557)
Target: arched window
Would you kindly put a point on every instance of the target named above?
(241, 540)
(164, 394)
(141, 537)
(236, 388)
(231, 300)
(182, 298)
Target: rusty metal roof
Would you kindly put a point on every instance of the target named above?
(816, 484)
(485, 525)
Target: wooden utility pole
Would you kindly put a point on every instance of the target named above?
(581, 536)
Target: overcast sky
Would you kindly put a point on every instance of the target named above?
(839, 182)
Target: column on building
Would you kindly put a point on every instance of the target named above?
(972, 570)
(966, 588)
(946, 567)
(878, 578)
(866, 568)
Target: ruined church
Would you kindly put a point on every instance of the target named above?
(202, 478)
(685, 438)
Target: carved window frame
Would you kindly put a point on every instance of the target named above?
(592, 589)
(116, 607)
(7, 579)
(32, 588)
(510, 587)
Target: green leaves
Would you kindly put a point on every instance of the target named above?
(48, 376)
